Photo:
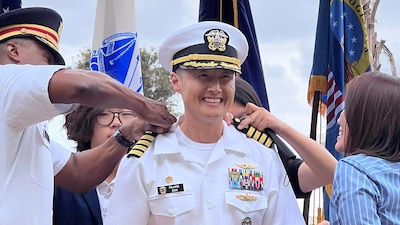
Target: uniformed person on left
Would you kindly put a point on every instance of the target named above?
(203, 171)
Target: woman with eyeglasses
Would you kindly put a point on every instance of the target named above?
(91, 127)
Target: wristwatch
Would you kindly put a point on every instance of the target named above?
(121, 140)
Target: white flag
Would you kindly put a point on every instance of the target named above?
(115, 47)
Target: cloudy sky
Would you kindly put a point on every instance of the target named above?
(285, 31)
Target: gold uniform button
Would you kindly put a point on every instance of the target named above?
(168, 179)
(23, 30)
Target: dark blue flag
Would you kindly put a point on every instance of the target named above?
(238, 14)
(341, 52)
(7, 5)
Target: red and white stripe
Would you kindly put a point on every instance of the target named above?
(335, 101)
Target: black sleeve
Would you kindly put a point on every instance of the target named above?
(292, 169)
(290, 162)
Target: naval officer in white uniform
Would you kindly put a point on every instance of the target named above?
(203, 171)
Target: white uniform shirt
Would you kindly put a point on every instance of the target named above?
(104, 192)
(200, 193)
(26, 169)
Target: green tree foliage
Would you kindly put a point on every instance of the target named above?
(156, 82)
(82, 60)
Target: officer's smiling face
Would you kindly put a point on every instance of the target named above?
(207, 94)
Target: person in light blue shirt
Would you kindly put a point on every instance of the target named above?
(366, 182)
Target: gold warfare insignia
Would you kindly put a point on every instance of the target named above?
(217, 40)
(246, 166)
(246, 197)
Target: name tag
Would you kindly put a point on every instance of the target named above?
(170, 189)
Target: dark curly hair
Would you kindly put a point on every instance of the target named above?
(79, 124)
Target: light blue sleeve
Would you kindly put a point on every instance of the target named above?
(354, 196)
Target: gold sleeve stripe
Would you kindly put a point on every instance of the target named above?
(257, 135)
(140, 147)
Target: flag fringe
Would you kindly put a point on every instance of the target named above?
(317, 83)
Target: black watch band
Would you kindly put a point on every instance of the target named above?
(121, 140)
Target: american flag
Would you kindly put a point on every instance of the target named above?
(335, 101)
(7, 5)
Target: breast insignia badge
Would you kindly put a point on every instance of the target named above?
(245, 179)
(246, 197)
(246, 166)
(246, 221)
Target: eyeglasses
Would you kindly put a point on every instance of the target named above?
(107, 117)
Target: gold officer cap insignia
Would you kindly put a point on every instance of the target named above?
(217, 40)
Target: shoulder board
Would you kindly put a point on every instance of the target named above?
(142, 144)
(257, 135)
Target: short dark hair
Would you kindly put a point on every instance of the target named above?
(245, 93)
(79, 124)
(372, 107)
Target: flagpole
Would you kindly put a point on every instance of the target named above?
(313, 135)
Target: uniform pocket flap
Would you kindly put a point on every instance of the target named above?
(172, 205)
(246, 201)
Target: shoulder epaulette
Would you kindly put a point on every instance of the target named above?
(251, 132)
(142, 144)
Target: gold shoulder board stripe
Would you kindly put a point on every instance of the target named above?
(142, 144)
(257, 135)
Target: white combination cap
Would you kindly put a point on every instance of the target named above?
(204, 45)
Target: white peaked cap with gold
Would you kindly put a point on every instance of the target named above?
(204, 45)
